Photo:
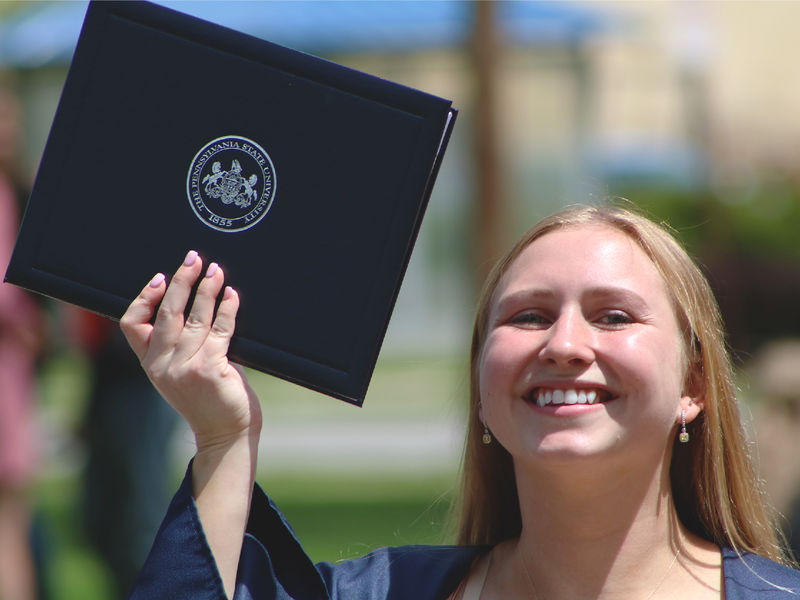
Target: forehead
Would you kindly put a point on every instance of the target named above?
(583, 255)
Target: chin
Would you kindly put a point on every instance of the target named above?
(564, 447)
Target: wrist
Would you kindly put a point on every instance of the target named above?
(215, 444)
(235, 456)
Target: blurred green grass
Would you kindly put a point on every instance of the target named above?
(336, 513)
(353, 516)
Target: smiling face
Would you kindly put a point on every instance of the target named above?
(583, 355)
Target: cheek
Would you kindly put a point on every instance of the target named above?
(501, 366)
(492, 368)
(652, 360)
(487, 373)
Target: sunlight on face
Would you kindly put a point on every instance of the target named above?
(583, 355)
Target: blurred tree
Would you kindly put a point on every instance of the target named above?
(745, 237)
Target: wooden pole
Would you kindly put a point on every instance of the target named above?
(490, 209)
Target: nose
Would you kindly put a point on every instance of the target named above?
(570, 341)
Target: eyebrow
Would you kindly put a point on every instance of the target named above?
(627, 295)
(597, 292)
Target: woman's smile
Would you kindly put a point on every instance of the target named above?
(544, 396)
(568, 402)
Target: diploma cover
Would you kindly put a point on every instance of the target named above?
(305, 180)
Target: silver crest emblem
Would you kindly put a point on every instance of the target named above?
(231, 183)
(230, 186)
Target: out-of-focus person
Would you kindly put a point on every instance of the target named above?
(127, 431)
(775, 374)
(21, 327)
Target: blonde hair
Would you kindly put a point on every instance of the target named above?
(712, 478)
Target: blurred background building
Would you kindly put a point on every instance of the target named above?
(687, 108)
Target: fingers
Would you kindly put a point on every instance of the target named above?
(171, 338)
(170, 317)
(219, 337)
(135, 323)
(199, 321)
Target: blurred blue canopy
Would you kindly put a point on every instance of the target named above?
(45, 33)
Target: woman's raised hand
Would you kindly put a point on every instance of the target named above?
(186, 358)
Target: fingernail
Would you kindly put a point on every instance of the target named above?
(228, 293)
(190, 258)
(212, 268)
(157, 280)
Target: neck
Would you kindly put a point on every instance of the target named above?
(596, 533)
(583, 502)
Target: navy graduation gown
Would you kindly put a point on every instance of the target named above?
(273, 565)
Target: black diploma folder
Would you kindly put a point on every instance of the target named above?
(305, 180)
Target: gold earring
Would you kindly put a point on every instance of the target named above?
(683, 436)
(487, 437)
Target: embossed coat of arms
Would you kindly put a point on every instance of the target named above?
(231, 186)
(231, 183)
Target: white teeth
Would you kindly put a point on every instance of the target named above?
(545, 397)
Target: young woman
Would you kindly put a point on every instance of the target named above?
(605, 455)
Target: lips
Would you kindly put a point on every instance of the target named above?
(543, 396)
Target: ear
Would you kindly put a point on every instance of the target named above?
(480, 413)
(693, 398)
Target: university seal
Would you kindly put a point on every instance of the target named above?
(231, 183)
